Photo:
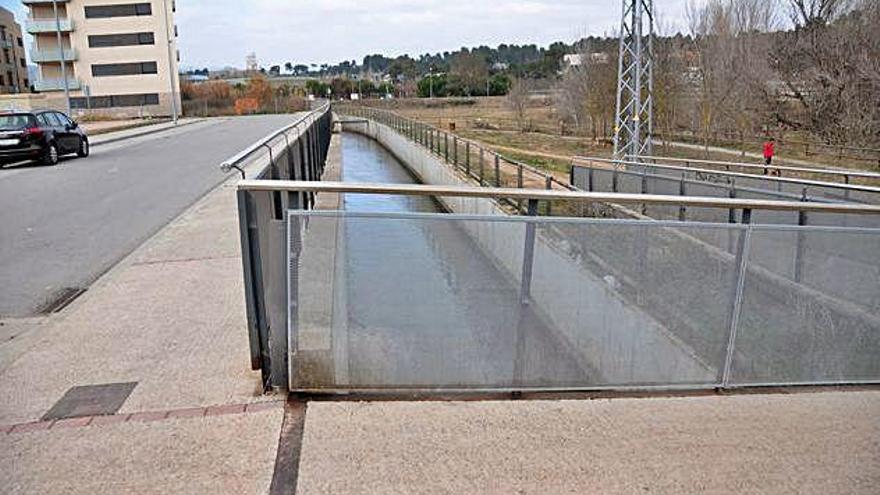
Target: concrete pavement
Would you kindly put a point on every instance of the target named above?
(169, 318)
(817, 443)
(61, 227)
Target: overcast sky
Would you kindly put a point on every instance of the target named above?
(217, 33)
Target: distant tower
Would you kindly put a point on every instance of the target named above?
(251, 64)
(634, 120)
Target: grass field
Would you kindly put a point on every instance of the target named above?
(491, 122)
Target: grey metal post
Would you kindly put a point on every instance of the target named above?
(446, 145)
(549, 185)
(731, 213)
(682, 210)
(467, 157)
(169, 32)
(455, 151)
(519, 184)
(497, 171)
(482, 164)
(528, 254)
(741, 263)
(61, 53)
(800, 247)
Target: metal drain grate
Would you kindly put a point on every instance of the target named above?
(91, 400)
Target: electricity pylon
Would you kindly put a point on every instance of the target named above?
(634, 120)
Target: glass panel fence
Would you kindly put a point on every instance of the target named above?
(431, 301)
(813, 321)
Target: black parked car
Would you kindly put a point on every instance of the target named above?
(42, 135)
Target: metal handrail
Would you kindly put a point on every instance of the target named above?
(824, 171)
(553, 195)
(804, 182)
(233, 162)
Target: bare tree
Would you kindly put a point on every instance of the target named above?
(473, 71)
(731, 70)
(812, 12)
(518, 101)
(830, 72)
(586, 94)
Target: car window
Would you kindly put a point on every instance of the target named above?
(41, 118)
(63, 119)
(52, 119)
(16, 121)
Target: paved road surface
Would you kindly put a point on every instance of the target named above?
(62, 227)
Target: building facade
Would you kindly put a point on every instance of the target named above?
(13, 65)
(120, 56)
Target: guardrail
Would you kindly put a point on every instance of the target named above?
(483, 165)
(575, 304)
(555, 195)
(844, 175)
(297, 151)
(602, 174)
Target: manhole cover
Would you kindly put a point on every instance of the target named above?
(91, 400)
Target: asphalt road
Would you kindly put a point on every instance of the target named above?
(62, 227)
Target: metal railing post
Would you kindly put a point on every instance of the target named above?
(497, 170)
(528, 254)
(446, 145)
(519, 184)
(549, 185)
(482, 165)
(800, 246)
(467, 158)
(741, 264)
(455, 151)
(682, 191)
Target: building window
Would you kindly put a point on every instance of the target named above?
(2, 80)
(20, 43)
(119, 10)
(128, 39)
(115, 101)
(23, 62)
(129, 69)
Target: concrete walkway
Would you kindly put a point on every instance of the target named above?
(818, 443)
(170, 319)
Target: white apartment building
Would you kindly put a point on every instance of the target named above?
(120, 56)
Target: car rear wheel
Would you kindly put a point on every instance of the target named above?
(50, 156)
(83, 150)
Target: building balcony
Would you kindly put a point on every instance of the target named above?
(43, 55)
(56, 84)
(36, 26)
(6, 44)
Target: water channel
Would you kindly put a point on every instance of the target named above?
(424, 305)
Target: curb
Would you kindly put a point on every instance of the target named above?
(147, 131)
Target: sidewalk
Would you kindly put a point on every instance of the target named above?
(132, 132)
(171, 319)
